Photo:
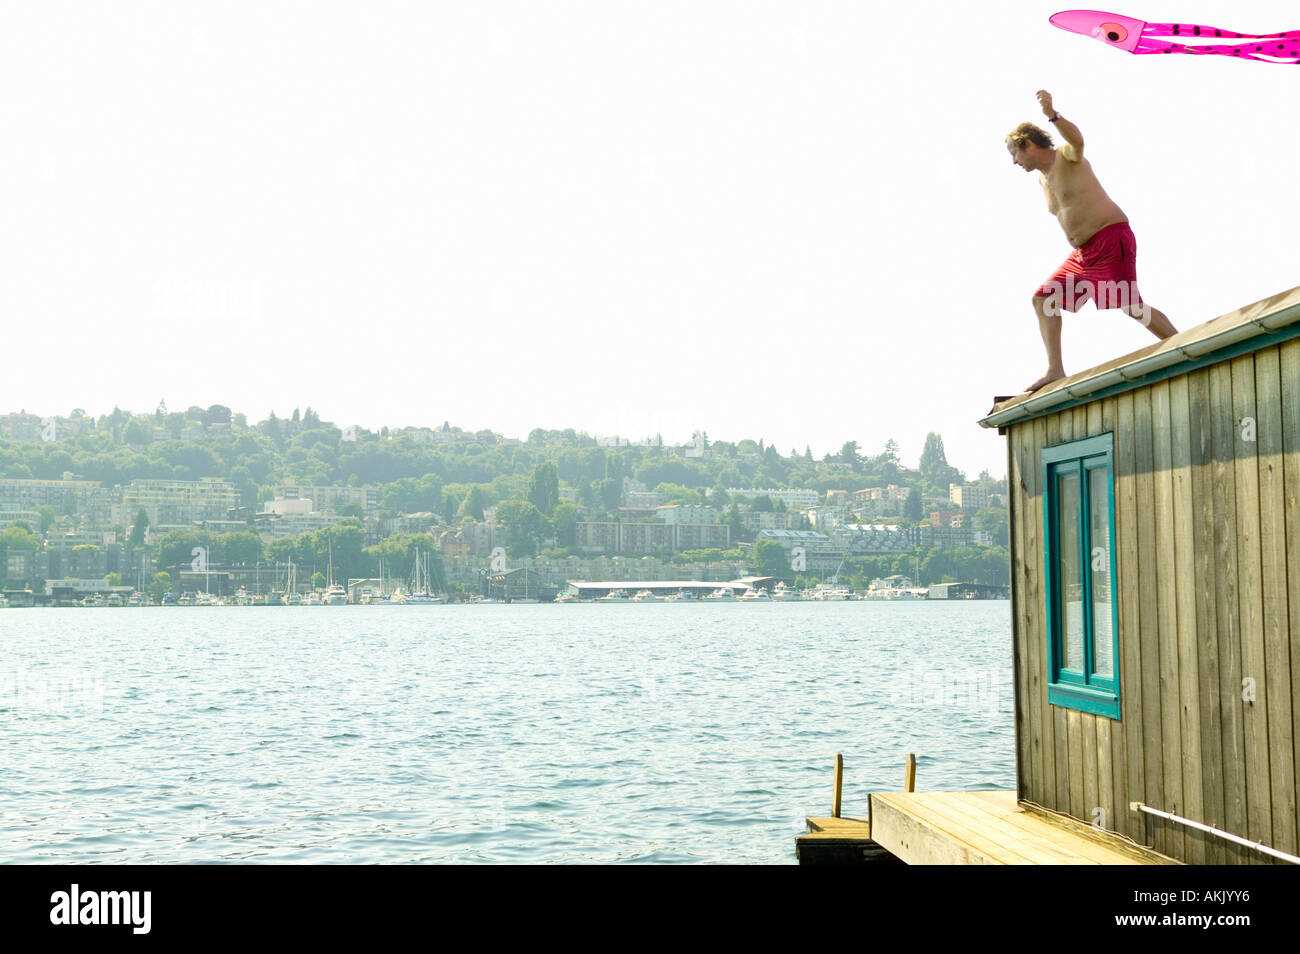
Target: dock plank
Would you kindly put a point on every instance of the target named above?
(938, 810)
(992, 828)
(996, 820)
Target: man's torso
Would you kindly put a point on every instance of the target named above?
(1077, 199)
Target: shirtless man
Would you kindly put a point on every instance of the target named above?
(1103, 264)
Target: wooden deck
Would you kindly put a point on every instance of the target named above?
(990, 828)
(840, 841)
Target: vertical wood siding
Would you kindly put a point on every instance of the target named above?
(1207, 554)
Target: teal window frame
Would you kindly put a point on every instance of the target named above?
(1085, 690)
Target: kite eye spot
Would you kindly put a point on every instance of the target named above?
(1113, 32)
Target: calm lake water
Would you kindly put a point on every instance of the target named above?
(525, 733)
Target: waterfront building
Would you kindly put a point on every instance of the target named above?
(968, 496)
(176, 503)
(643, 499)
(26, 568)
(29, 517)
(828, 518)
(272, 525)
(328, 498)
(793, 497)
(686, 513)
(929, 536)
(21, 426)
(873, 539)
(86, 499)
(755, 520)
(822, 554)
(1155, 542)
(609, 537)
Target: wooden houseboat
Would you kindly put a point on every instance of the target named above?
(1155, 555)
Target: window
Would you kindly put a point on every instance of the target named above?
(1082, 617)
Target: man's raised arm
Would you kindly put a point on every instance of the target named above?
(1068, 130)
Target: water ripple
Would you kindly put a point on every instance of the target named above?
(627, 734)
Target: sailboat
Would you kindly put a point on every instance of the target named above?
(291, 595)
(525, 598)
(420, 594)
(335, 595)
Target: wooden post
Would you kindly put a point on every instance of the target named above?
(839, 784)
(909, 779)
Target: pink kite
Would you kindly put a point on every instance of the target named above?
(1138, 36)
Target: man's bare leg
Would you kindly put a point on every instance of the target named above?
(1049, 326)
(1153, 318)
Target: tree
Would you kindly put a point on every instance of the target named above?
(912, 510)
(526, 526)
(317, 578)
(135, 433)
(113, 579)
(544, 488)
(770, 558)
(217, 414)
(566, 519)
(18, 536)
(849, 454)
(934, 466)
(734, 521)
(138, 529)
(608, 493)
(161, 583)
(244, 547)
(47, 516)
(993, 521)
(473, 504)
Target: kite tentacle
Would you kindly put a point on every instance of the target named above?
(1193, 30)
(1277, 52)
(1286, 53)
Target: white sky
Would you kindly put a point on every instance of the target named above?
(794, 220)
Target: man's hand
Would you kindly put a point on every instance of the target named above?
(1045, 101)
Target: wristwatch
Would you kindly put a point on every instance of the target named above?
(1055, 118)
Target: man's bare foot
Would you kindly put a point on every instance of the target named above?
(1046, 379)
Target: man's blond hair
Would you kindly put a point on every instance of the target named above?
(1026, 133)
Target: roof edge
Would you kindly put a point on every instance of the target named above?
(1274, 318)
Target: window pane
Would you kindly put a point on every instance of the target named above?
(1069, 572)
(1099, 571)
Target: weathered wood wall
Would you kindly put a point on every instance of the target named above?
(1207, 524)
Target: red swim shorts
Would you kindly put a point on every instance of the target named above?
(1103, 269)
